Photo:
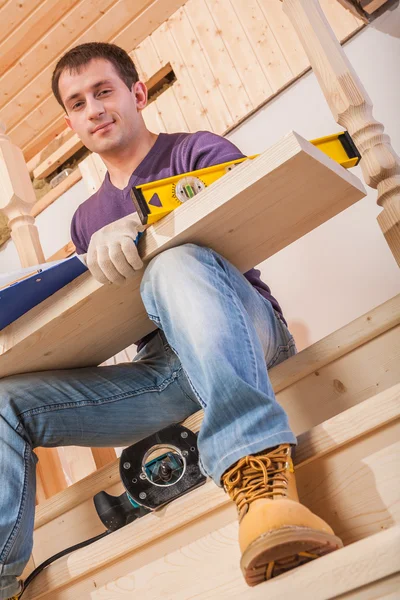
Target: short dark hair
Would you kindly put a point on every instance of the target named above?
(81, 55)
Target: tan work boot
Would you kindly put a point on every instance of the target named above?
(276, 532)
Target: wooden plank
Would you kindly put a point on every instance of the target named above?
(382, 589)
(370, 467)
(263, 42)
(77, 463)
(339, 343)
(153, 119)
(370, 562)
(273, 200)
(378, 452)
(192, 107)
(365, 372)
(231, 31)
(50, 471)
(58, 157)
(157, 13)
(355, 9)
(93, 171)
(167, 105)
(201, 72)
(285, 36)
(341, 20)
(28, 29)
(103, 456)
(349, 425)
(44, 136)
(13, 14)
(56, 192)
(75, 23)
(64, 252)
(223, 68)
(370, 6)
(54, 145)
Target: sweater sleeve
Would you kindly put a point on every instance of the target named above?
(205, 149)
(76, 234)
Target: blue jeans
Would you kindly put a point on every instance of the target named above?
(217, 336)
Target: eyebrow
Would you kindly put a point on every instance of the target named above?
(94, 87)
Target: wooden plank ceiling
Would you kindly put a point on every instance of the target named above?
(33, 36)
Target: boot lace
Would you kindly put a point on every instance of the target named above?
(263, 475)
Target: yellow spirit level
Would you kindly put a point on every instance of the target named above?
(156, 199)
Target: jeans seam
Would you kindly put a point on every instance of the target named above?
(66, 405)
(200, 400)
(241, 319)
(8, 545)
(251, 444)
(179, 383)
(280, 350)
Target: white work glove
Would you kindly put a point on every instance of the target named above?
(112, 256)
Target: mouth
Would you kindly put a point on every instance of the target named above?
(104, 127)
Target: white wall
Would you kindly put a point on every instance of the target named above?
(340, 270)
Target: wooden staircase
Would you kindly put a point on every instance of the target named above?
(342, 395)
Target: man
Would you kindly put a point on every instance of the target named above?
(218, 333)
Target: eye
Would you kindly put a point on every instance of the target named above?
(104, 92)
(77, 105)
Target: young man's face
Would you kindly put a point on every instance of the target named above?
(100, 108)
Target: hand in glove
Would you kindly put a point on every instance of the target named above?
(112, 255)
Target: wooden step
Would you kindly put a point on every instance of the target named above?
(347, 472)
(339, 371)
(366, 570)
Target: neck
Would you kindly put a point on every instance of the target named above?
(121, 165)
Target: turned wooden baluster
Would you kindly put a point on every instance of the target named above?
(351, 108)
(16, 200)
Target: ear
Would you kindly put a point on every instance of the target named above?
(68, 122)
(139, 90)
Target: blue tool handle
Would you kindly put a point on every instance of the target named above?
(139, 235)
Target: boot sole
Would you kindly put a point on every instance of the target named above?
(284, 549)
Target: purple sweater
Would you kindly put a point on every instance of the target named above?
(172, 154)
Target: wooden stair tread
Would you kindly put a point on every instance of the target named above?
(248, 215)
(343, 429)
(382, 319)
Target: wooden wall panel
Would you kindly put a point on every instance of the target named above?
(263, 43)
(221, 64)
(185, 91)
(285, 36)
(166, 105)
(341, 21)
(200, 70)
(234, 37)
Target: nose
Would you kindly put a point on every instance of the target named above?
(94, 108)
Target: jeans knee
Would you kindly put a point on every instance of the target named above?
(171, 263)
